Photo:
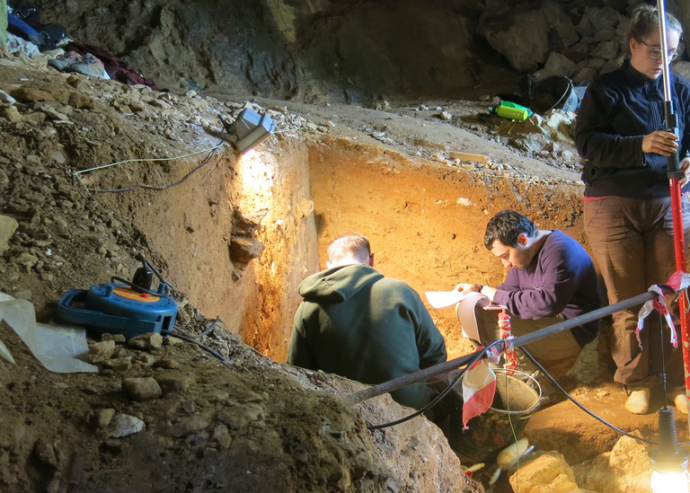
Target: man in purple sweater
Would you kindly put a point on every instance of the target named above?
(551, 278)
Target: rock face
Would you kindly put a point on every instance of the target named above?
(281, 48)
(523, 34)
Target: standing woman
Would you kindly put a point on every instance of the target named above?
(628, 217)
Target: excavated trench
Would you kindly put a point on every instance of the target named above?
(425, 222)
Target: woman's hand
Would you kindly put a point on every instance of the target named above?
(660, 142)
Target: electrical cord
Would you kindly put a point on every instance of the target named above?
(139, 288)
(215, 353)
(583, 408)
(143, 260)
(440, 396)
(164, 187)
(209, 329)
(79, 172)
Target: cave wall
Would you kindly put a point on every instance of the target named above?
(317, 50)
(283, 48)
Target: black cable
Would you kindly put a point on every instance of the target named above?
(139, 288)
(164, 187)
(202, 346)
(601, 420)
(143, 260)
(209, 329)
(440, 396)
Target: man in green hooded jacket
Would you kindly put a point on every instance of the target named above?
(356, 323)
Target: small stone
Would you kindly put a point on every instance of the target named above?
(8, 226)
(75, 81)
(113, 337)
(141, 389)
(136, 106)
(103, 418)
(36, 118)
(118, 364)
(31, 94)
(145, 359)
(238, 416)
(147, 341)
(45, 452)
(125, 425)
(222, 436)
(51, 112)
(10, 113)
(168, 364)
(4, 180)
(188, 425)
(78, 101)
(101, 351)
(244, 250)
(171, 384)
(58, 157)
(173, 341)
(444, 115)
(190, 94)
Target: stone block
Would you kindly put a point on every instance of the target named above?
(141, 389)
(8, 226)
(31, 94)
(548, 473)
(176, 383)
(101, 351)
(146, 341)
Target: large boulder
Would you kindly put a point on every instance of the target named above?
(626, 469)
(526, 34)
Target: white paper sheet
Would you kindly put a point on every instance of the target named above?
(442, 299)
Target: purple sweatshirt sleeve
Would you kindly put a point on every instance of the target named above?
(544, 291)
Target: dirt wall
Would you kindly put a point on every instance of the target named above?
(277, 179)
(191, 226)
(426, 222)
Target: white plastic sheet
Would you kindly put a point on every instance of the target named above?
(56, 347)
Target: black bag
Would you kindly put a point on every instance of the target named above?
(556, 92)
(54, 33)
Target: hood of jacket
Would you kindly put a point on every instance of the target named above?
(338, 283)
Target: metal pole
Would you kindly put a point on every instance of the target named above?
(403, 381)
(674, 174)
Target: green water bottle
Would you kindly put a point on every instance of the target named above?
(511, 111)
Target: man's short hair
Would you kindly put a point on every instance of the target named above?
(350, 245)
(506, 226)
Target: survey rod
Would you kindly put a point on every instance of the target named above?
(403, 381)
(674, 174)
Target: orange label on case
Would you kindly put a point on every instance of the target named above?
(130, 294)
